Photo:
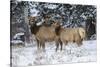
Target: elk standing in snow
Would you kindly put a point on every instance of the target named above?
(71, 35)
(44, 33)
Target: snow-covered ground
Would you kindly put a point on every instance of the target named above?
(28, 56)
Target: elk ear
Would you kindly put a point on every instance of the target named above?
(30, 17)
(56, 23)
(53, 23)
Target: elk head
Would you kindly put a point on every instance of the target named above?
(31, 20)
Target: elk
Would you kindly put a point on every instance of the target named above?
(66, 35)
(44, 33)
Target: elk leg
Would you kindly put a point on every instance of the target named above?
(61, 45)
(65, 43)
(57, 46)
(43, 46)
(79, 43)
(38, 45)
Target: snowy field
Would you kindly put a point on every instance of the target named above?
(28, 56)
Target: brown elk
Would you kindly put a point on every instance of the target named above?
(44, 33)
(71, 35)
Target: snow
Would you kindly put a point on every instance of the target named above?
(17, 39)
(51, 6)
(28, 56)
(17, 42)
(34, 12)
(18, 35)
(39, 23)
(93, 37)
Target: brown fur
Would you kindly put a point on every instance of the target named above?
(45, 33)
(54, 32)
(71, 35)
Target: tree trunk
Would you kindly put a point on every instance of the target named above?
(27, 33)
